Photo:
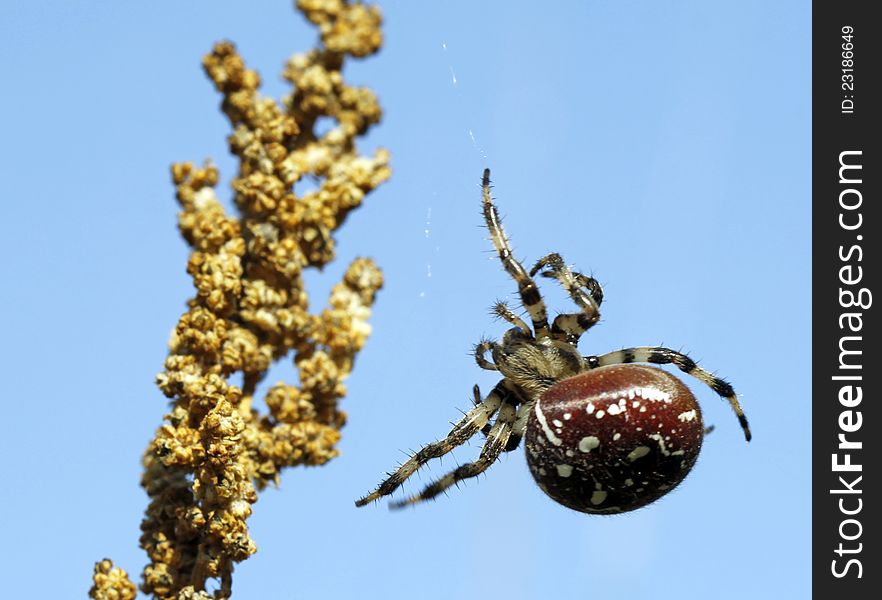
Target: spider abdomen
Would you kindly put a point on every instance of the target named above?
(613, 439)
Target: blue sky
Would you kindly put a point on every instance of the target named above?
(662, 146)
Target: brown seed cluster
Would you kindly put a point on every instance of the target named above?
(111, 583)
(215, 451)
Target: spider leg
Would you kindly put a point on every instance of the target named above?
(496, 443)
(571, 326)
(468, 426)
(570, 280)
(519, 427)
(662, 356)
(527, 288)
(476, 391)
(501, 310)
(559, 268)
(481, 349)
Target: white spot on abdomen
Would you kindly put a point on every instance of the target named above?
(661, 443)
(638, 452)
(564, 470)
(649, 393)
(687, 416)
(598, 497)
(545, 428)
(589, 443)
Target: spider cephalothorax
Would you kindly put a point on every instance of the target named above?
(602, 435)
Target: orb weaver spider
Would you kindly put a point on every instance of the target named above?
(603, 435)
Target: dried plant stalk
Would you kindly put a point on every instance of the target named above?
(204, 468)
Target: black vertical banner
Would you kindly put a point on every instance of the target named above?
(846, 335)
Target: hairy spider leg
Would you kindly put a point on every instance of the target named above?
(471, 423)
(501, 310)
(527, 288)
(663, 356)
(572, 281)
(517, 430)
(592, 285)
(571, 326)
(519, 427)
(482, 348)
(476, 391)
(496, 444)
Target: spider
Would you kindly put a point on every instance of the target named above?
(602, 435)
